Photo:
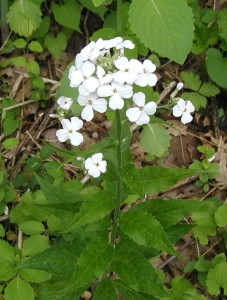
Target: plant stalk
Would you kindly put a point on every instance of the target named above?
(119, 183)
(120, 17)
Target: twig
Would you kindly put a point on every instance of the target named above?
(3, 218)
(19, 239)
(18, 105)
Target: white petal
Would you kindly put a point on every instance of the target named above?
(88, 68)
(94, 172)
(76, 138)
(62, 135)
(136, 65)
(82, 100)
(100, 105)
(152, 79)
(150, 108)
(142, 80)
(122, 63)
(64, 102)
(100, 72)
(149, 66)
(139, 99)
(133, 113)
(176, 111)
(102, 166)
(76, 78)
(131, 77)
(116, 102)
(78, 61)
(76, 123)
(186, 118)
(97, 158)
(189, 107)
(143, 119)
(91, 84)
(88, 163)
(105, 90)
(125, 91)
(83, 91)
(66, 124)
(181, 104)
(120, 77)
(87, 113)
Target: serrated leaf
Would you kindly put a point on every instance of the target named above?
(94, 208)
(152, 180)
(216, 279)
(91, 264)
(216, 66)
(56, 45)
(32, 227)
(68, 14)
(221, 215)
(35, 276)
(135, 271)
(54, 292)
(155, 139)
(178, 231)
(34, 245)
(164, 26)
(145, 230)
(208, 89)
(105, 291)
(191, 80)
(170, 212)
(197, 100)
(24, 17)
(205, 224)
(130, 294)
(59, 259)
(19, 289)
(8, 267)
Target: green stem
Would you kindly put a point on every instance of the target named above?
(120, 17)
(119, 183)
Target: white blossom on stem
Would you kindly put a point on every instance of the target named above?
(140, 114)
(95, 165)
(146, 76)
(64, 102)
(91, 102)
(69, 131)
(92, 50)
(116, 92)
(184, 109)
(126, 71)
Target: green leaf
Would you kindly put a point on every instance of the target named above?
(35, 46)
(130, 294)
(34, 245)
(197, 99)
(217, 67)
(202, 265)
(170, 212)
(10, 143)
(58, 259)
(216, 279)
(94, 208)
(205, 222)
(145, 230)
(191, 80)
(32, 227)
(7, 270)
(35, 276)
(43, 28)
(209, 89)
(20, 43)
(152, 180)
(221, 215)
(18, 289)
(56, 45)
(68, 14)
(24, 17)
(155, 139)
(33, 67)
(105, 291)
(2, 231)
(135, 271)
(65, 89)
(98, 2)
(91, 264)
(100, 11)
(164, 26)
(222, 23)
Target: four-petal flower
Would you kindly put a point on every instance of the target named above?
(69, 131)
(95, 165)
(90, 103)
(184, 109)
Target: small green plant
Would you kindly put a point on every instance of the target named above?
(206, 169)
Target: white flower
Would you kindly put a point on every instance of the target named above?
(69, 131)
(116, 92)
(112, 43)
(83, 76)
(180, 86)
(90, 103)
(140, 114)
(64, 102)
(95, 165)
(102, 76)
(184, 109)
(92, 50)
(126, 71)
(146, 76)
(125, 44)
